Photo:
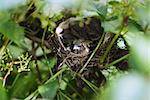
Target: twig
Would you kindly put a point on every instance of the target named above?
(67, 98)
(47, 62)
(73, 55)
(36, 64)
(56, 75)
(5, 77)
(65, 59)
(61, 43)
(43, 37)
(38, 40)
(91, 85)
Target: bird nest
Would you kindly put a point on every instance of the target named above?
(75, 41)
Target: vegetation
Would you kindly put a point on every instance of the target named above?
(75, 49)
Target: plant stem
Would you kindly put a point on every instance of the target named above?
(32, 95)
(70, 86)
(118, 60)
(15, 80)
(64, 95)
(92, 86)
(43, 37)
(2, 49)
(58, 73)
(5, 77)
(36, 93)
(110, 46)
(93, 53)
(47, 62)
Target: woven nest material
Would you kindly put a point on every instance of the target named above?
(75, 40)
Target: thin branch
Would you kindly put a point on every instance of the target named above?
(93, 53)
(117, 61)
(5, 77)
(38, 40)
(2, 49)
(110, 46)
(36, 64)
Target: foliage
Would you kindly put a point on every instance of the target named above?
(29, 65)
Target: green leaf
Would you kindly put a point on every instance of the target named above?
(13, 49)
(11, 30)
(141, 54)
(45, 64)
(102, 11)
(52, 62)
(111, 26)
(23, 85)
(133, 32)
(49, 89)
(143, 12)
(3, 93)
(63, 85)
(52, 7)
